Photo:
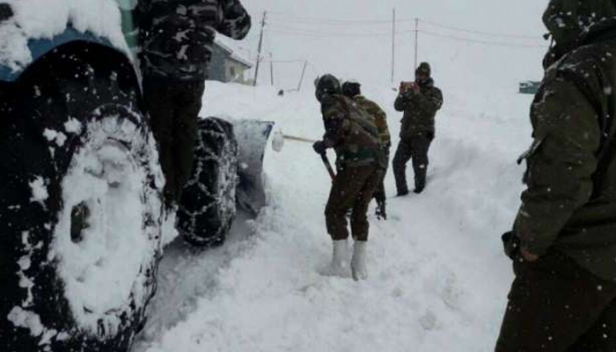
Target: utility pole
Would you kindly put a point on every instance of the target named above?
(260, 47)
(272, 68)
(299, 86)
(416, 39)
(393, 46)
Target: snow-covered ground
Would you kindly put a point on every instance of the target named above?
(437, 275)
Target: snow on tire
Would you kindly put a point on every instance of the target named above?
(208, 205)
(81, 194)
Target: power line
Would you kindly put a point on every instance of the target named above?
(309, 32)
(323, 35)
(284, 61)
(337, 24)
(332, 21)
(478, 41)
(491, 34)
(299, 31)
(299, 20)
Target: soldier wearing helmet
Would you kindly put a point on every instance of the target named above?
(354, 136)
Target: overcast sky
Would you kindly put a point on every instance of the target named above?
(352, 39)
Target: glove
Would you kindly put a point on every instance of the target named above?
(511, 244)
(232, 9)
(319, 147)
(380, 210)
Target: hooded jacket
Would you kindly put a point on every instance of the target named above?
(570, 201)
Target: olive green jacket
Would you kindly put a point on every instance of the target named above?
(570, 201)
(380, 117)
(419, 110)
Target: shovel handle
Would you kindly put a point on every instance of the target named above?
(297, 139)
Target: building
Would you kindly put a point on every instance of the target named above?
(529, 87)
(228, 62)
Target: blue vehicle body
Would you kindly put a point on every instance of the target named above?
(39, 47)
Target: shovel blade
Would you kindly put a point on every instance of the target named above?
(252, 137)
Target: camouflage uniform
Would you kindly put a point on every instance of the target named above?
(360, 163)
(565, 301)
(416, 132)
(176, 39)
(380, 117)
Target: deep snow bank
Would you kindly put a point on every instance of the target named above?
(438, 278)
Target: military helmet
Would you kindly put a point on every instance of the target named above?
(424, 68)
(351, 88)
(326, 85)
(567, 20)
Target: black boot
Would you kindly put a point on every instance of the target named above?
(420, 181)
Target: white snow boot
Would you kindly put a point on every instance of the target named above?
(358, 263)
(339, 265)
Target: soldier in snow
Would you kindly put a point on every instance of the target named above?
(352, 90)
(354, 136)
(563, 243)
(176, 38)
(419, 100)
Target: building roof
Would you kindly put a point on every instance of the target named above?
(235, 50)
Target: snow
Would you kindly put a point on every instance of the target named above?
(39, 190)
(54, 136)
(26, 319)
(72, 126)
(43, 19)
(438, 277)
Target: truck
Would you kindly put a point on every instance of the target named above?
(82, 222)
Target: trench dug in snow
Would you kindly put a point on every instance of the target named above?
(437, 275)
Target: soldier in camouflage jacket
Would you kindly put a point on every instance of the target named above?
(352, 90)
(419, 102)
(175, 39)
(564, 238)
(354, 136)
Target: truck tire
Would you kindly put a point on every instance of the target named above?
(80, 206)
(207, 209)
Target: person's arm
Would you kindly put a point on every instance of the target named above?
(236, 22)
(402, 101)
(561, 163)
(335, 122)
(430, 102)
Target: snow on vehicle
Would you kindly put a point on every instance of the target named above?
(80, 183)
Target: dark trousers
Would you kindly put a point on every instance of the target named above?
(415, 148)
(174, 107)
(353, 189)
(557, 306)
